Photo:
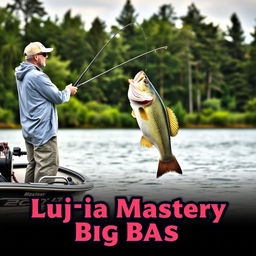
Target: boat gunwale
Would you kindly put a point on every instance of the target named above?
(85, 185)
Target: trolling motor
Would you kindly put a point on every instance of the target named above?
(6, 160)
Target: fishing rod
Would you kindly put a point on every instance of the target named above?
(119, 65)
(96, 56)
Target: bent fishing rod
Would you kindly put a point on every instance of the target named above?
(96, 56)
(119, 65)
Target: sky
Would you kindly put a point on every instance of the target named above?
(216, 11)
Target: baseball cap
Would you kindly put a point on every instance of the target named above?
(35, 48)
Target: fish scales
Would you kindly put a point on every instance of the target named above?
(154, 121)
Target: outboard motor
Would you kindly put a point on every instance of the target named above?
(6, 161)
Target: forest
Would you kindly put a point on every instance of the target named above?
(207, 75)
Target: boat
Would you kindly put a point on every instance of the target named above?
(15, 195)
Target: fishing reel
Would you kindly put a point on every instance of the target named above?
(6, 161)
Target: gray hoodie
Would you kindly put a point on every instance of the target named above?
(37, 99)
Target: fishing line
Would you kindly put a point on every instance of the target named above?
(117, 66)
(146, 45)
(96, 56)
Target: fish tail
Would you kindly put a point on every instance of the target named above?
(167, 166)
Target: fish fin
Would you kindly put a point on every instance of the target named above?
(174, 125)
(143, 114)
(164, 167)
(133, 114)
(144, 142)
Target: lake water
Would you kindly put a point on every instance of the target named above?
(217, 164)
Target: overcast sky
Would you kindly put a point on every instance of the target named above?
(217, 11)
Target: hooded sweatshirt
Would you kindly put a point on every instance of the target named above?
(37, 99)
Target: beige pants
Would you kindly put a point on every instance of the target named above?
(42, 160)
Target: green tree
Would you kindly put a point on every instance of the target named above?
(202, 69)
(235, 32)
(213, 79)
(166, 13)
(10, 55)
(251, 74)
(33, 34)
(185, 41)
(194, 20)
(28, 9)
(205, 69)
(72, 114)
(58, 71)
(10, 39)
(72, 44)
(116, 82)
(46, 31)
(127, 16)
(236, 90)
(132, 37)
(161, 32)
(96, 38)
(251, 105)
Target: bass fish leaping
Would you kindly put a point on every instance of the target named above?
(156, 122)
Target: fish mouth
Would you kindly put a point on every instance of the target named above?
(140, 76)
(138, 92)
(139, 80)
(139, 97)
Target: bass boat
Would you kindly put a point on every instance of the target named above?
(15, 195)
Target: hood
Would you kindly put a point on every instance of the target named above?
(23, 69)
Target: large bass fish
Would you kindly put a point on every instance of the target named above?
(156, 122)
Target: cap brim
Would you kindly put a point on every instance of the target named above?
(48, 50)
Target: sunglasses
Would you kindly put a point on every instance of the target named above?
(44, 54)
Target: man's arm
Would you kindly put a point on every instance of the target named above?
(49, 91)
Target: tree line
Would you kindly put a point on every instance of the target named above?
(207, 75)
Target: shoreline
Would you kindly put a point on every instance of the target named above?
(188, 126)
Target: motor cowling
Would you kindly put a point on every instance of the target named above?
(5, 162)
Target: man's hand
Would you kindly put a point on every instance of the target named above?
(73, 90)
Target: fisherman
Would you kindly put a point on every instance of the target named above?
(38, 116)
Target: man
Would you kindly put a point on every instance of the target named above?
(38, 115)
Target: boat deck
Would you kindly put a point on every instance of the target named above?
(19, 172)
(65, 181)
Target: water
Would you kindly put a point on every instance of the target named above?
(217, 164)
